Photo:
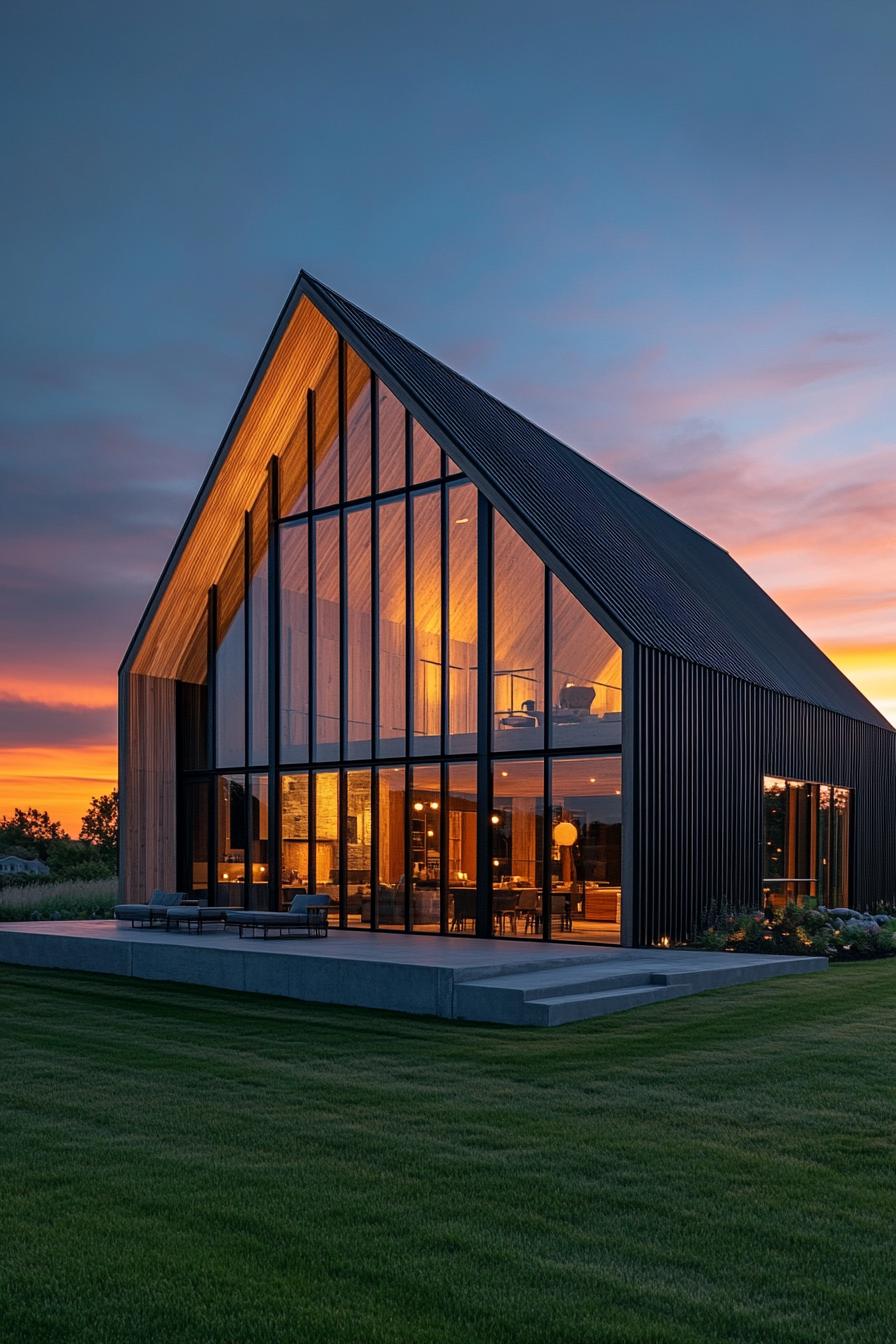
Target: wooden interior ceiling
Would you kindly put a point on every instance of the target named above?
(267, 426)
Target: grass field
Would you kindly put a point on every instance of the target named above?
(188, 1165)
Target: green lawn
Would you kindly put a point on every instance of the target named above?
(187, 1165)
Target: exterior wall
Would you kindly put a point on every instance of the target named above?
(148, 786)
(702, 743)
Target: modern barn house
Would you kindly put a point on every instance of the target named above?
(411, 651)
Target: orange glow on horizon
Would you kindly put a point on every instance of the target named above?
(62, 781)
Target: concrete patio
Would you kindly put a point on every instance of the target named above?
(517, 983)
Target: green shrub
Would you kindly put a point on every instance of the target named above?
(91, 899)
(799, 931)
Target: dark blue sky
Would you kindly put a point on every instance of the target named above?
(663, 230)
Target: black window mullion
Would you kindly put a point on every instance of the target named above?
(310, 470)
(374, 846)
(274, 853)
(247, 708)
(212, 744)
(312, 832)
(342, 846)
(546, 893)
(374, 653)
(443, 847)
(484, 721)
(408, 812)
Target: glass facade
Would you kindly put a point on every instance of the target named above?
(805, 842)
(445, 715)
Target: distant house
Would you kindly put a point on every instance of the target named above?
(9, 863)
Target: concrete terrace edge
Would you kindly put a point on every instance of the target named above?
(386, 984)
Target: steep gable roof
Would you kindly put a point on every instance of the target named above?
(667, 586)
(660, 582)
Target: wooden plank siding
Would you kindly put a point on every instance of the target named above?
(271, 418)
(149, 858)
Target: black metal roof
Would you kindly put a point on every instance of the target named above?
(667, 586)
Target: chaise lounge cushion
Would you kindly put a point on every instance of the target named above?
(308, 908)
(157, 904)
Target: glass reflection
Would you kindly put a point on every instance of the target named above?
(586, 676)
(257, 893)
(426, 848)
(357, 426)
(517, 835)
(359, 581)
(461, 859)
(586, 848)
(326, 846)
(391, 888)
(358, 823)
(294, 643)
(462, 617)
(427, 624)
(293, 837)
(392, 440)
(392, 629)
(326, 635)
(231, 831)
(427, 456)
(518, 647)
(230, 664)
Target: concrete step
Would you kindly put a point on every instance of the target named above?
(580, 991)
(559, 1009)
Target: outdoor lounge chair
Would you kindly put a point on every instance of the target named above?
(308, 914)
(153, 911)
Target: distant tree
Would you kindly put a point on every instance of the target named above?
(78, 861)
(31, 831)
(99, 827)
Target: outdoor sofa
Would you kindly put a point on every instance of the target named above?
(153, 911)
(308, 914)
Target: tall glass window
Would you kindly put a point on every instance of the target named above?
(230, 664)
(294, 643)
(391, 891)
(427, 624)
(427, 456)
(426, 848)
(257, 894)
(326, 637)
(517, 834)
(326, 434)
(359, 580)
(805, 842)
(357, 426)
(294, 467)
(392, 441)
(326, 820)
(586, 848)
(358, 822)
(194, 819)
(392, 629)
(258, 631)
(231, 831)
(294, 876)
(461, 857)
(463, 657)
(191, 697)
(586, 676)
(518, 648)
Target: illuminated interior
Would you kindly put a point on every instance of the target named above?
(403, 708)
(805, 842)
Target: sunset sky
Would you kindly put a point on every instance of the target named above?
(662, 230)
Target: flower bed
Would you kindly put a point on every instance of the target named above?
(842, 934)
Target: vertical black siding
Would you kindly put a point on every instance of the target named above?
(703, 741)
